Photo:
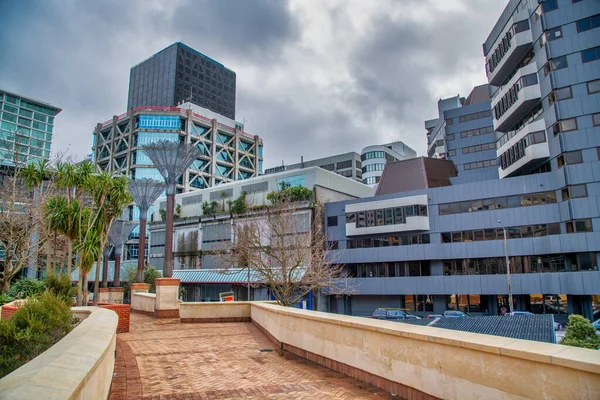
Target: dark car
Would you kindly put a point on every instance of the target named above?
(455, 314)
(393, 314)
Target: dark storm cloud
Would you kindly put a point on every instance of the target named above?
(247, 29)
(311, 80)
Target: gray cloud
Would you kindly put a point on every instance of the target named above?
(314, 77)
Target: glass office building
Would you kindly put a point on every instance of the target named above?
(26, 128)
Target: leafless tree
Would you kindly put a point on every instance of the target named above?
(171, 159)
(285, 247)
(144, 192)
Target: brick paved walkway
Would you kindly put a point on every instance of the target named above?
(163, 359)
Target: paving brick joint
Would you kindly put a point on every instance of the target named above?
(165, 359)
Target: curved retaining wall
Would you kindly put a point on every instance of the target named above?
(79, 366)
(426, 362)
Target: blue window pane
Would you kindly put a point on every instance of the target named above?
(144, 138)
(584, 25)
(170, 122)
(260, 166)
(296, 180)
(589, 55)
(549, 5)
(151, 173)
(260, 151)
(140, 157)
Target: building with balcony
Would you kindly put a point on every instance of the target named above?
(26, 127)
(228, 153)
(346, 164)
(435, 241)
(179, 74)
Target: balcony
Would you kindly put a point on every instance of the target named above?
(516, 44)
(515, 99)
(525, 151)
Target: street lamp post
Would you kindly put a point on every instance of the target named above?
(510, 297)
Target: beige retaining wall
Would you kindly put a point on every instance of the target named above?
(143, 302)
(442, 363)
(80, 366)
(215, 312)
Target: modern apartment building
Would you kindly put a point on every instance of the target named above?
(179, 74)
(434, 241)
(346, 164)
(25, 129)
(374, 158)
(199, 236)
(228, 153)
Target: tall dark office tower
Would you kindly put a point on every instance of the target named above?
(179, 73)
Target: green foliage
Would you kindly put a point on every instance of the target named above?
(25, 287)
(60, 286)
(177, 214)
(33, 328)
(290, 194)
(581, 333)
(211, 208)
(163, 214)
(150, 275)
(4, 298)
(238, 206)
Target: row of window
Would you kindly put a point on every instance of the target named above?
(387, 216)
(24, 103)
(373, 167)
(496, 203)
(574, 192)
(389, 270)
(476, 132)
(512, 232)
(569, 158)
(522, 264)
(500, 51)
(478, 148)
(588, 23)
(372, 180)
(531, 116)
(590, 54)
(517, 151)
(480, 164)
(405, 240)
(372, 154)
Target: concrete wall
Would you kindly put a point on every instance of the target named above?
(80, 366)
(143, 302)
(215, 312)
(445, 364)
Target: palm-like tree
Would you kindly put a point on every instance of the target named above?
(62, 216)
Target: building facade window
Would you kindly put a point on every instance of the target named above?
(553, 34)
(549, 5)
(476, 132)
(514, 232)
(373, 167)
(332, 221)
(568, 158)
(596, 119)
(344, 164)
(450, 121)
(564, 125)
(590, 54)
(372, 154)
(559, 94)
(579, 225)
(555, 64)
(389, 269)
(387, 216)
(588, 23)
(328, 167)
(517, 151)
(574, 191)
(480, 164)
(478, 148)
(593, 86)
(496, 203)
(474, 116)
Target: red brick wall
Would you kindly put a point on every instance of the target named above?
(8, 311)
(123, 311)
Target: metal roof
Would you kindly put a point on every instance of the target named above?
(537, 327)
(234, 275)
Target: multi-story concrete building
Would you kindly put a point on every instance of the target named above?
(198, 237)
(346, 164)
(228, 153)
(25, 129)
(365, 167)
(374, 158)
(435, 241)
(179, 74)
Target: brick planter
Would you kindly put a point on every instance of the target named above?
(8, 310)
(139, 287)
(123, 312)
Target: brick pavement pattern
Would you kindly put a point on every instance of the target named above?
(164, 359)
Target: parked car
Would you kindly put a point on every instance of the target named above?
(596, 324)
(557, 325)
(455, 314)
(433, 316)
(393, 314)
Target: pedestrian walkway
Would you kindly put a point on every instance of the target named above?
(164, 359)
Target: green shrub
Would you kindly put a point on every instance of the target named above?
(150, 275)
(26, 287)
(581, 333)
(4, 298)
(33, 328)
(61, 286)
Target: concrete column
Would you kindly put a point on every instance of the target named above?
(493, 304)
(437, 268)
(439, 304)
(521, 302)
(322, 302)
(167, 298)
(581, 305)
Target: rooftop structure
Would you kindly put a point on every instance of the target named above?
(179, 74)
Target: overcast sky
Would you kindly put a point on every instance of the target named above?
(314, 77)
